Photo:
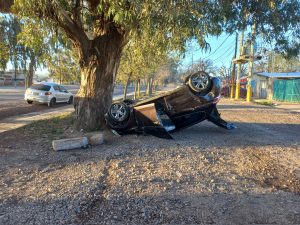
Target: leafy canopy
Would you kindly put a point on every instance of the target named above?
(171, 21)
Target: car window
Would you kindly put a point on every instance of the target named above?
(56, 88)
(63, 89)
(40, 87)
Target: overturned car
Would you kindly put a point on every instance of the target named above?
(191, 103)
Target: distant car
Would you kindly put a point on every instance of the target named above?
(182, 107)
(49, 93)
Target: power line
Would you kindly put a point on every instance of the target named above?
(226, 57)
(230, 48)
(217, 47)
(221, 53)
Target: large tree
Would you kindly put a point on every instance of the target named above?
(99, 29)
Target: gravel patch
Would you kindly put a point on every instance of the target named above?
(206, 175)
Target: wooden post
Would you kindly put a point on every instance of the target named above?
(238, 76)
(251, 62)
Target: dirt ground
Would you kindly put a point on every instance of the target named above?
(206, 175)
(8, 109)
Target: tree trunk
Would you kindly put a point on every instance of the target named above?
(29, 76)
(149, 86)
(98, 70)
(5, 6)
(152, 85)
(139, 88)
(125, 88)
(135, 90)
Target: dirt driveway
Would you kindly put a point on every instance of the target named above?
(206, 175)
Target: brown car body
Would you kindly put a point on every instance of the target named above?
(170, 111)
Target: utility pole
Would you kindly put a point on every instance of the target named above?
(233, 68)
(239, 70)
(251, 60)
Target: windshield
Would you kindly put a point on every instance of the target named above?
(40, 87)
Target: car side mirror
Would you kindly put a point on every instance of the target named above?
(66, 91)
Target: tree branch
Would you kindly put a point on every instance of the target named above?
(5, 6)
(93, 4)
(76, 11)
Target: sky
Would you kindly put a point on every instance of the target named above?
(221, 53)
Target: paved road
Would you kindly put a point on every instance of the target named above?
(13, 104)
(12, 94)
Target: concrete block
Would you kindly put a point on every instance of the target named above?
(95, 138)
(71, 143)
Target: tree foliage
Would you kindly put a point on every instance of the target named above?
(173, 22)
(276, 21)
(274, 62)
(10, 28)
(4, 55)
(145, 58)
(63, 67)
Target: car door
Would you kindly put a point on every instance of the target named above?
(64, 93)
(57, 93)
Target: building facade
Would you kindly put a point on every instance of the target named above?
(8, 78)
(277, 86)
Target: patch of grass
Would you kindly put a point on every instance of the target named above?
(52, 128)
(264, 102)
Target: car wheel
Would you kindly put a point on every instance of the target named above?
(119, 111)
(70, 101)
(29, 102)
(52, 102)
(199, 82)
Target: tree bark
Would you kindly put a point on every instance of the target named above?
(149, 86)
(5, 5)
(29, 76)
(139, 88)
(125, 90)
(126, 86)
(152, 85)
(98, 72)
(135, 90)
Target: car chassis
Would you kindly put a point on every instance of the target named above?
(189, 104)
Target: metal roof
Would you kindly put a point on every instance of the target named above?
(280, 75)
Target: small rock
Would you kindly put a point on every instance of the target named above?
(178, 174)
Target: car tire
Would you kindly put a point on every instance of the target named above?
(70, 101)
(199, 82)
(29, 102)
(52, 102)
(119, 112)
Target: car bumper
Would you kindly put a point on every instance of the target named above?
(37, 98)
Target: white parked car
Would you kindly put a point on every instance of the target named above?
(49, 93)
